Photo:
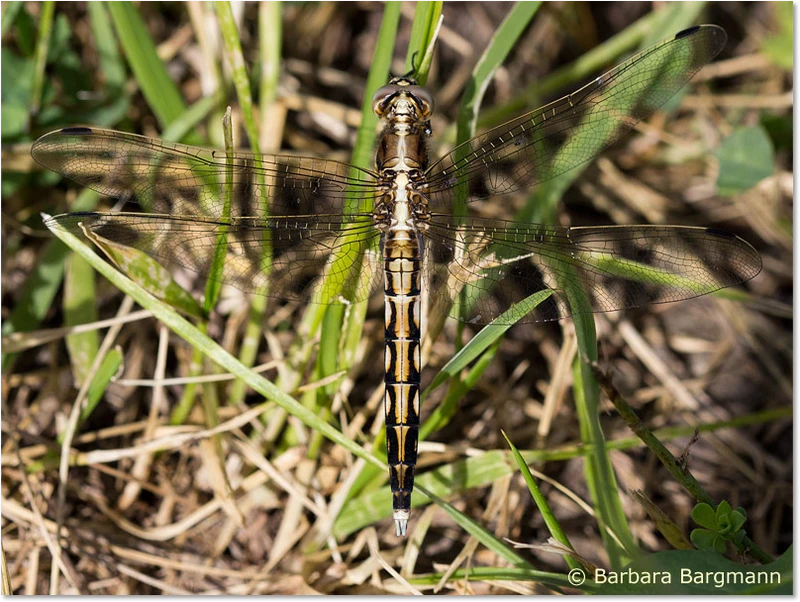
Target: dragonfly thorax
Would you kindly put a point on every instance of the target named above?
(402, 206)
(407, 108)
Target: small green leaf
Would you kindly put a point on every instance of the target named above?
(745, 158)
(723, 510)
(737, 521)
(704, 515)
(707, 541)
(703, 539)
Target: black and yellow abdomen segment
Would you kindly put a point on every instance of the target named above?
(402, 370)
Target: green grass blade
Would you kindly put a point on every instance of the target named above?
(159, 90)
(213, 287)
(241, 81)
(80, 308)
(492, 57)
(541, 503)
(501, 44)
(214, 280)
(598, 469)
(482, 347)
(181, 127)
(185, 404)
(672, 18)
(483, 573)
(424, 31)
(486, 337)
(111, 63)
(355, 317)
(40, 56)
(365, 139)
(668, 433)
(10, 12)
(148, 273)
(38, 294)
(270, 34)
(458, 388)
(443, 481)
(486, 537)
(107, 371)
(270, 29)
(363, 155)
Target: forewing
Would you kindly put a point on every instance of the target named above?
(174, 179)
(482, 269)
(560, 136)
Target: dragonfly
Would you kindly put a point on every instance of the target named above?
(323, 231)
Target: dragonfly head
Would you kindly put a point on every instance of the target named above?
(402, 97)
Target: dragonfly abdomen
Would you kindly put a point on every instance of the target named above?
(402, 368)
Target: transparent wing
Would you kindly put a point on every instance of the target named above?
(287, 220)
(560, 136)
(484, 268)
(176, 179)
(299, 264)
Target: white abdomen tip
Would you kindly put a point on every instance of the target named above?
(401, 522)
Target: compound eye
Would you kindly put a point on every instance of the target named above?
(382, 96)
(424, 98)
